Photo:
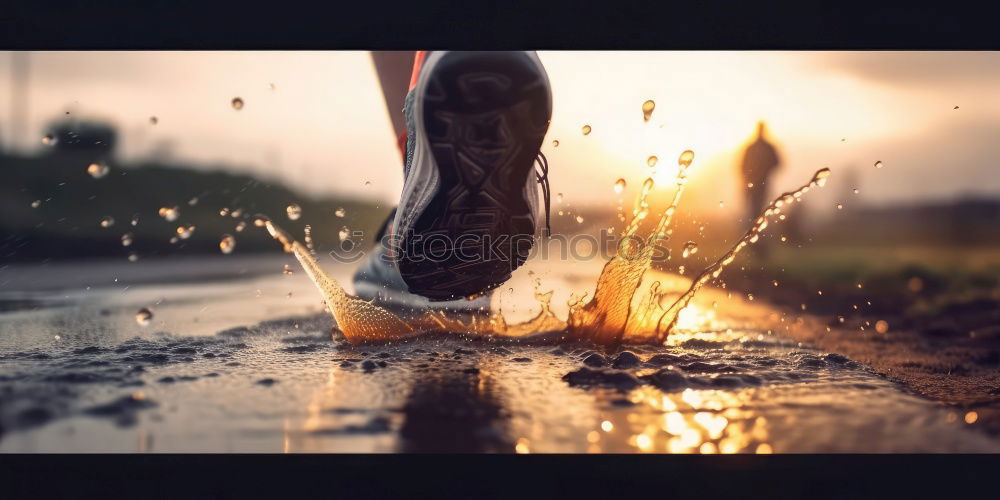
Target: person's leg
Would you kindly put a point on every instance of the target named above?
(395, 71)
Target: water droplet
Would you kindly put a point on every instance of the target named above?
(132, 257)
(224, 211)
(107, 221)
(271, 86)
(878, 164)
(559, 197)
(555, 143)
(237, 103)
(344, 233)
(820, 177)
(153, 120)
(647, 110)
(241, 226)
(184, 231)
(586, 130)
(173, 239)
(170, 213)
(856, 191)
(227, 244)
(237, 213)
(721, 204)
(956, 107)
(287, 270)
(144, 316)
(98, 170)
(686, 158)
(193, 201)
(690, 248)
(127, 239)
(651, 161)
(579, 219)
(619, 185)
(340, 212)
(49, 140)
(839, 206)
(260, 220)
(294, 212)
(135, 220)
(36, 203)
(368, 183)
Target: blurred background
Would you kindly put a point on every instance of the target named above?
(909, 137)
(126, 177)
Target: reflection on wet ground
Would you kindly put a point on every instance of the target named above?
(212, 373)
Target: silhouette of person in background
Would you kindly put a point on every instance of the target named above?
(760, 160)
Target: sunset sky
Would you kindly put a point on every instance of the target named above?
(324, 129)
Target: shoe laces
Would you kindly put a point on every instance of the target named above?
(542, 175)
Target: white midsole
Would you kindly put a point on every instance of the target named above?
(383, 295)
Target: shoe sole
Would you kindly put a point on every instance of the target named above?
(482, 117)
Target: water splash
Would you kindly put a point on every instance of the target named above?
(359, 320)
(617, 312)
(605, 317)
(669, 318)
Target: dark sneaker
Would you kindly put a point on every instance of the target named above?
(469, 208)
(378, 280)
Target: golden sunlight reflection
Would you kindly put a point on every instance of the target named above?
(692, 421)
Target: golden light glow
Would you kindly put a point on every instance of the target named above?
(522, 446)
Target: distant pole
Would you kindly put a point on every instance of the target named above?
(19, 66)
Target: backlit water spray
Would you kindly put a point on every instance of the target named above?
(608, 318)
